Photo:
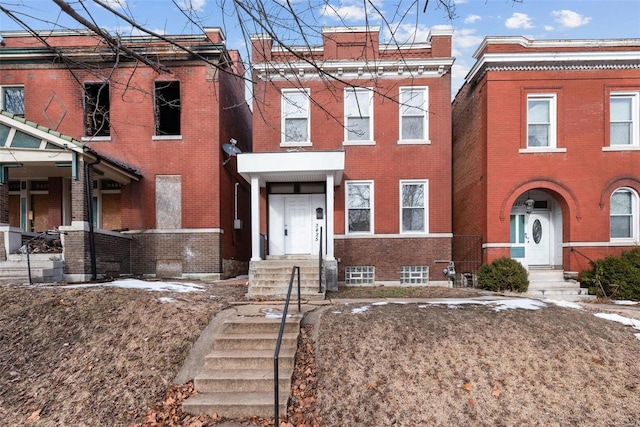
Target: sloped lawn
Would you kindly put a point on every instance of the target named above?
(106, 356)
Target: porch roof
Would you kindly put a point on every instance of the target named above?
(293, 166)
(46, 152)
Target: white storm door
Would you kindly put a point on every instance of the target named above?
(297, 225)
(538, 239)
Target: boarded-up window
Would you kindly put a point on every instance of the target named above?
(168, 201)
(111, 212)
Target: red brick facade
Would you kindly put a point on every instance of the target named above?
(516, 88)
(354, 58)
(209, 89)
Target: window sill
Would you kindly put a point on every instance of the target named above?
(621, 148)
(95, 138)
(624, 241)
(541, 150)
(296, 144)
(166, 138)
(358, 143)
(414, 142)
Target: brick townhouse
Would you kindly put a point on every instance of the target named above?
(352, 149)
(126, 157)
(546, 150)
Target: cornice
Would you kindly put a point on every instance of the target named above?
(552, 61)
(282, 71)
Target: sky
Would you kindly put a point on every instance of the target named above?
(405, 19)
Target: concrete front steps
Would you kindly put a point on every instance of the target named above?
(269, 279)
(45, 268)
(551, 283)
(237, 379)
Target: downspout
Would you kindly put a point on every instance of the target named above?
(92, 243)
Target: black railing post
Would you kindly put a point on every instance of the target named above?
(276, 373)
(320, 264)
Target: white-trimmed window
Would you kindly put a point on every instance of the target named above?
(413, 206)
(541, 121)
(358, 115)
(295, 117)
(12, 100)
(624, 119)
(624, 214)
(359, 203)
(414, 122)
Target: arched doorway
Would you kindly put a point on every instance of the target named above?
(536, 230)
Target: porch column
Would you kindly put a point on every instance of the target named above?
(330, 215)
(255, 218)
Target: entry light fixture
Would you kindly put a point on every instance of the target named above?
(528, 204)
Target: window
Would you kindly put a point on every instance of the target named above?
(413, 206)
(13, 100)
(517, 234)
(413, 115)
(167, 108)
(359, 275)
(624, 119)
(624, 214)
(414, 274)
(541, 121)
(96, 109)
(358, 120)
(295, 116)
(359, 203)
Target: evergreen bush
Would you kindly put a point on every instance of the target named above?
(503, 274)
(618, 275)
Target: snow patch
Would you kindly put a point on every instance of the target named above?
(359, 310)
(166, 299)
(566, 304)
(625, 302)
(620, 319)
(499, 305)
(144, 285)
(380, 303)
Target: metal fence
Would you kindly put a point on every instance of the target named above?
(467, 256)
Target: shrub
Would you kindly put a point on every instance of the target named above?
(503, 274)
(618, 275)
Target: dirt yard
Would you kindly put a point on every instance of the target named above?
(107, 356)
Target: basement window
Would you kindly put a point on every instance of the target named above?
(414, 274)
(167, 108)
(96, 109)
(359, 275)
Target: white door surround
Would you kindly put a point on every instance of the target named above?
(305, 166)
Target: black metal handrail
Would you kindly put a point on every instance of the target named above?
(320, 264)
(276, 385)
(595, 266)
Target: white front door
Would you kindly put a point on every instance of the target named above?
(538, 239)
(297, 225)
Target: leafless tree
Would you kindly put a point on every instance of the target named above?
(293, 25)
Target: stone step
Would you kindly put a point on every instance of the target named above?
(35, 262)
(261, 325)
(236, 405)
(241, 380)
(283, 277)
(254, 341)
(555, 284)
(281, 293)
(248, 359)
